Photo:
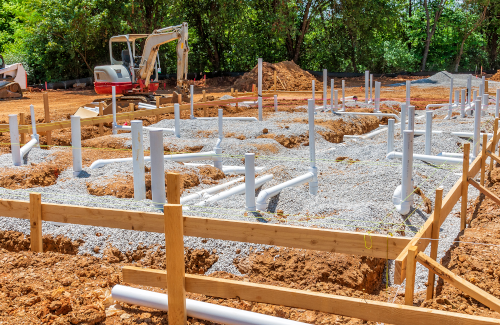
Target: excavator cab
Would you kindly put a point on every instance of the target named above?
(13, 79)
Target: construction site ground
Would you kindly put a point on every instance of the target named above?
(70, 282)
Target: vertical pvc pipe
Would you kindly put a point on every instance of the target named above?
(462, 104)
(457, 97)
(157, 168)
(428, 132)
(469, 89)
(314, 92)
(260, 77)
(113, 108)
(325, 84)
(218, 149)
(367, 80)
(14, 140)
(331, 94)
(390, 135)
(275, 103)
(377, 96)
(191, 101)
(408, 92)
(411, 117)
(486, 99)
(313, 185)
(403, 118)
(177, 121)
(250, 181)
(138, 161)
(220, 113)
(497, 102)
(33, 122)
(450, 102)
(259, 100)
(76, 144)
(371, 88)
(481, 91)
(474, 96)
(477, 128)
(343, 95)
(406, 183)
(336, 95)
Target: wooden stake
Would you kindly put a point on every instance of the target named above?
(232, 92)
(253, 90)
(179, 99)
(204, 96)
(173, 188)
(465, 186)
(174, 253)
(486, 86)
(131, 107)
(483, 158)
(236, 96)
(494, 142)
(36, 222)
(435, 236)
(48, 134)
(410, 275)
(484, 190)
(22, 121)
(101, 113)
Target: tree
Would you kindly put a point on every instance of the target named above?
(438, 7)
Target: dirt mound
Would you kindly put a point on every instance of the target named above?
(289, 77)
(308, 269)
(44, 174)
(288, 142)
(15, 241)
(495, 77)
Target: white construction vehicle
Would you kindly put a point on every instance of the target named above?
(13, 80)
(136, 77)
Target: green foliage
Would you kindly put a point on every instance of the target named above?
(65, 39)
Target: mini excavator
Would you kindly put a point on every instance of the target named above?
(13, 79)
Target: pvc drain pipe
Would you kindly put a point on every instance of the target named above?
(34, 134)
(240, 189)
(276, 103)
(250, 181)
(260, 108)
(403, 195)
(411, 117)
(371, 88)
(219, 127)
(138, 161)
(325, 84)
(469, 89)
(428, 132)
(185, 157)
(332, 82)
(113, 109)
(191, 102)
(497, 103)
(259, 83)
(408, 93)
(266, 194)
(369, 114)
(28, 146)
(14, 140)
(177, 120)
(450, 101)
(367, 80)
(336, 94)
(76, 144)
(485, 104)
(313, 185)
(462, 104)
(314, 92)
(377, 96)
(390, 135)
(228, 169)
(157, 168)
(197, 309)
(343, 95)
(210, 191)
(247, 119)
(477, 128)
(129, 128)
(403, 118)
(430, 159)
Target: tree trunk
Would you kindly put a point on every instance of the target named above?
(430, 32)
(426, 52)
(466, 36)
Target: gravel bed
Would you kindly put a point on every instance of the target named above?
(354, 194)
(442, 79)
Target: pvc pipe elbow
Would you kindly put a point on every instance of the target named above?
(404, 208)
(391, 155)
(261, 201)
(97, 164)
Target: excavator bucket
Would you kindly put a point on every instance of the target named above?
(9, 90)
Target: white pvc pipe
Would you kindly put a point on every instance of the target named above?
(177, 120)
(403, 118)
(462, 104)
(260, 108)
(14, 140)
(113, 109)
(377, 96)
(477, 129)
(266, 194)
(276, 103)
(146, 106)
(129, 128)
(240, 189)
(157, 168)
(451, 97)
(228, 169)
(331, 93)
(470, 135)
(33, 122)
(210, 191)
(411, 118)
(408, 93)
(457, 97)
(191, 101)
(185, 157)
(481, 91)
(390, 135)
(336, 94)
(371, 88)
(313, 184)
(197, 309)
(428, 132)
(430, 159)
(343, 95)
(138, 161)
(485, 104)
(497, 103)
(325, 85)
(250, 181)
(259, 83)
(246, 119)
(406, 190)
(370, 114)
(28, 146)
(367, 80)
(76, 144)
(314, 92)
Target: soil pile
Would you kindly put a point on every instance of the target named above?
(289, 77)
(495, 77)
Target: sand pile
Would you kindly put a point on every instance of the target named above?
(289, 77)
(496, 76)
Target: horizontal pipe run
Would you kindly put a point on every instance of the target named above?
(243, 118)
(186, 157)
(28, 146)
(228, 169)
(266, 194)
(240, 189)
(210, 191)
(426, 158)
(197, 309)
(129, 128)
(371, 114)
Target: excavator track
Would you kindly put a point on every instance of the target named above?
(10, 90)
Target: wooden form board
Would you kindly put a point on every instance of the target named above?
(426, 231)
(340, 305)
(344, 242)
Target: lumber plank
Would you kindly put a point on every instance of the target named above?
(458, 282)
(435, 236)
(174, 188)
(493, 156)
(15, 209)
(484, 190)
(36, 222)
(411, 264)
(340, 305)
(344, 242)
(465, 186)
